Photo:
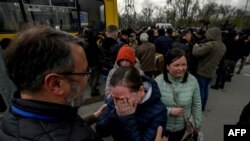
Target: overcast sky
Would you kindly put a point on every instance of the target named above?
(139, 4)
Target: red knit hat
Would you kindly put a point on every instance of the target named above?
(126, 53)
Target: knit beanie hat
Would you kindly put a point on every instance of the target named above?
(126, 53)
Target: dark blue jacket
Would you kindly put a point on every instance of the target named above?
(140, 126)
(163, 44)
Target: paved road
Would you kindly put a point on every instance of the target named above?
(224, 106)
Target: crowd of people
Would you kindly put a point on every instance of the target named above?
(50, 69)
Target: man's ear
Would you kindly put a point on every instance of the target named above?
(54, 84)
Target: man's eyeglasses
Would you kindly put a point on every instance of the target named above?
(77, 73)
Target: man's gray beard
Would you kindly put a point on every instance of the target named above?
(76, 96)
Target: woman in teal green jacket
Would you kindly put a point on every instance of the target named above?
(180, 94)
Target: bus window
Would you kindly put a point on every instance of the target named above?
(61, 13)
(84, 19)
(64, 3)
(37, 2)
(10, 16)
(53, 16)
(102, 12)
(95, 12)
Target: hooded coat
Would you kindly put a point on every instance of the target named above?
(140, 126)
(210, 53)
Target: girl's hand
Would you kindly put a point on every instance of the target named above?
(124, 106)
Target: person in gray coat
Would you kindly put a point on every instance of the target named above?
(7, 87)
(209, 55)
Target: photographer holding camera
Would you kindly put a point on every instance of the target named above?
(209, 55)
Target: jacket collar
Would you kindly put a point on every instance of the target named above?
(175, 80)
(41, 109)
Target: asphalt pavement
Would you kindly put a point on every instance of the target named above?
(225, 106)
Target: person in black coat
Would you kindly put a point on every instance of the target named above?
(49, 68)
(7, 88)
(185, 43)
(92, 54)
(109, 50)
(163, 43)
(245, 116)
(244, 43)
(134, 109)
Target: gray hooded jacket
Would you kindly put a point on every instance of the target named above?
(7, 87)
(210, 53)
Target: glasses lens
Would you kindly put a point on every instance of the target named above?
(87, 73)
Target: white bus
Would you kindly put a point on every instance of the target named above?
(164, 25)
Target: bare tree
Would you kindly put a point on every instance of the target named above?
(159, 14)
(194, 13)
(243, 14)
(208, 11)
(183, 10)
(189, 13)
(147, 14)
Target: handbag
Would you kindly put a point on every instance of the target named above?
(192, 135)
